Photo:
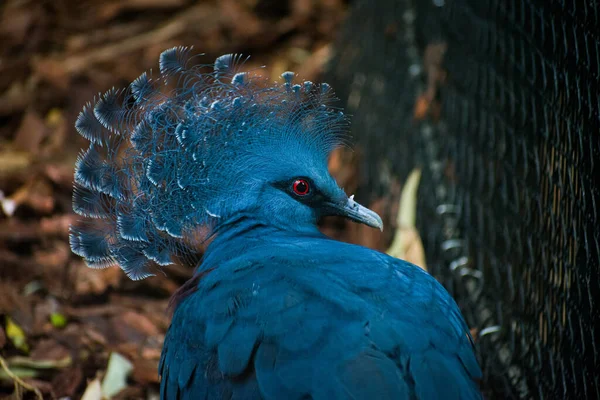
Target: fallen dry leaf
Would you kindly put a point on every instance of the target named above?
(67, 382)
(145, 371)
(2, 338)
(51, 350)
(35, 193)
(407, 244)
(117, 371)
(13, 162)
(139, 321)
(93, 281)
(16, 334)
(31, 133)
(93, 391)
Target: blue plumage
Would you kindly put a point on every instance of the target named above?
(277, 310)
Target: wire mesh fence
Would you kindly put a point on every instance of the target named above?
(497, 102)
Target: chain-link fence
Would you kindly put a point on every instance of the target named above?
(497, 102)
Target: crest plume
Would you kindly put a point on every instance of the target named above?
(163, 163)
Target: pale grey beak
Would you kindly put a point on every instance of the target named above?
(357, 213)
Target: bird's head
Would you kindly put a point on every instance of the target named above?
(293, 188)
(265, 151)
(227, 143)
(202, 146)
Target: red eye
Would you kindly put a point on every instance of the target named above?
(301, 187)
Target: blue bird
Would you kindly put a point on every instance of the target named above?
(276, 310)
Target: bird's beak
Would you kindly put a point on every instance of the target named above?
(354, 211)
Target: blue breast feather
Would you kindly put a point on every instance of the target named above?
(312, 318)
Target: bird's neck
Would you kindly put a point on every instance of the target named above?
(246, 231)
(235, 238)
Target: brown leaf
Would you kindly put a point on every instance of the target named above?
(57, 225)
(15, 230)
(145, 371)
(53, 71)
(302, 10)
(30, 134)
(56, 124)
(13, 163)
(17, 97)
(94, 281)
(109, 10)
(11, 299)
(15, 22)
(67, 381)
(146, 4)
(152, 353)
(2, 338)
(130, 392)
(54, 258)
(242, 21)
(37, 194)
(132, 326)
(42, 386)
(49, 349)
(312, 68)
(60, 174)
(41, 315)
(95, 337)
(130, 350)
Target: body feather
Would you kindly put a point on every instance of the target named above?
(303, 324)
(276, 310)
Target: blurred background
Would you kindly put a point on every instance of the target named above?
(477, 125)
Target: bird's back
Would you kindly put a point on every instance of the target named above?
(307, 317)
